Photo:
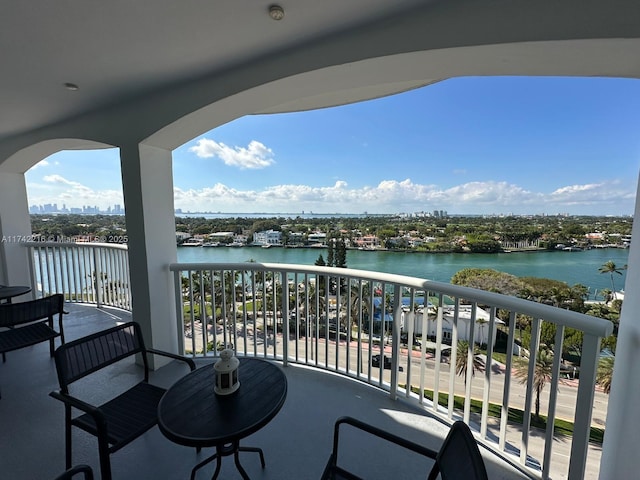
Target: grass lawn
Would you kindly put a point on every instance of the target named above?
(516, 416)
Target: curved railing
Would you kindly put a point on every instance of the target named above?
(350, 322)
(95, 273)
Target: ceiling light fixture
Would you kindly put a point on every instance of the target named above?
(71, 86)
(276, 12)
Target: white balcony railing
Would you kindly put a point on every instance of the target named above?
(341, 319)
(85, 272)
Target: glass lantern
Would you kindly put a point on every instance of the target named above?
(226, 369)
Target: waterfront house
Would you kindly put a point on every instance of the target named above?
(367, 242)
(182, 236)
(147, 77)
(317, 238)
(267, 237)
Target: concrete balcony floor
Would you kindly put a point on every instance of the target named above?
(296, 443)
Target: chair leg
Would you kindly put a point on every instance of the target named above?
(67, 436)
(105, 462)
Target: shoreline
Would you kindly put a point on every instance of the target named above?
(411, 251)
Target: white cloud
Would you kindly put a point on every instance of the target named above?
(593, 194)
(41, 163)
(60, 190)
(60, 180)
(388, 196)
(392, 196)
(255, 156)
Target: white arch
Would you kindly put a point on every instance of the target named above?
(27, 157)
(381, 76)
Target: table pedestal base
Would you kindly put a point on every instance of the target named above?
(224, 451)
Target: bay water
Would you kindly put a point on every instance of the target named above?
(571, 267)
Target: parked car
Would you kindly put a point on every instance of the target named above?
(404, 339)
(375, 362)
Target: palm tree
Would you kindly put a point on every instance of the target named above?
(607, 295)
(610, 267)
(605, 373)
(360, 299)
(541, 374)
(462, 360)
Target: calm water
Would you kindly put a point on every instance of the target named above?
(570, 267)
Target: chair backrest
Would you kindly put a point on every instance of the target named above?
(459, 457)
(86, 355)
(12, 314)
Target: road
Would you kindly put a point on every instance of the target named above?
(565, 407)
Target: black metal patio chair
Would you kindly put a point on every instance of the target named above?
(122, 419)
(27, 323)
(458, 458)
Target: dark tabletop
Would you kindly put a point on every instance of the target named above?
(9, 292)
(191, 414)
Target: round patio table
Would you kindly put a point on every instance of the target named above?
(191, 414)
(8, 292)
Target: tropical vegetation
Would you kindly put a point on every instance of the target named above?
(420, 233)
(604, 373)
(542, 372)
(462, 359)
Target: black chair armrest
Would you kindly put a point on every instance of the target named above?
(79, 404)
(189, 361)
(390, 437)
(72, 472)
(95, 412)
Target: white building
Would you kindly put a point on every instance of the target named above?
(317, 238)
(267, 237)
(481, 332)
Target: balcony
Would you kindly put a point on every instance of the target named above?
(296, 443)
(328, 326)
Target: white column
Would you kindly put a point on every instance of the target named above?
(15, 225)
(148, 196)
(622, 431)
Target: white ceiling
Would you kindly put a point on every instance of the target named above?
(119, 49)
(174, 67)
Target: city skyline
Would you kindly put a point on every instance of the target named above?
(500, 145)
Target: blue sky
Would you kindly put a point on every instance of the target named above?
(469, 146)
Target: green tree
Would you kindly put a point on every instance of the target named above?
(607, 295)
(462, 360)
(610, 267)
(341, 253)
(489, 280)
(266, 224)
(541, 374)
(320, 261)
(605, 373)
(483, 244)
(331, 251)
